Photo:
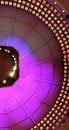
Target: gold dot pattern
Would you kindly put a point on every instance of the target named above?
(60, 27)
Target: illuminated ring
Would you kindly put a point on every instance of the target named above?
(42, 9)
(14, 60)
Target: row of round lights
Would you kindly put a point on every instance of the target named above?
(12, 73)
(18, 2)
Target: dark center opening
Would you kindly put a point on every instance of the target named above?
(9, 68)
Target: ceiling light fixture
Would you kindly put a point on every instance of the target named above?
(55, 2)
(4, 81)
(12, 73)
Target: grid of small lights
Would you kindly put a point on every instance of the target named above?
(53, 18)
(11, 74)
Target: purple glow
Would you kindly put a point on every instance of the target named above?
(32, 95)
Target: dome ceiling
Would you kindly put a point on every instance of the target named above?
(32, 101)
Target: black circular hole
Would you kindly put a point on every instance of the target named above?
(67, 16)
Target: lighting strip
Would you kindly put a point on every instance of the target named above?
(60, 27)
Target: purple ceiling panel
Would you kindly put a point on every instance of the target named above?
(27, 101)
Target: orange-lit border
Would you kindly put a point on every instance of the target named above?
(60, 27)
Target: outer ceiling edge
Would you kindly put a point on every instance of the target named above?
(67, 60)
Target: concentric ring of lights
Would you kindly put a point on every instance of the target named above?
(11, 74)
(58, 24)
